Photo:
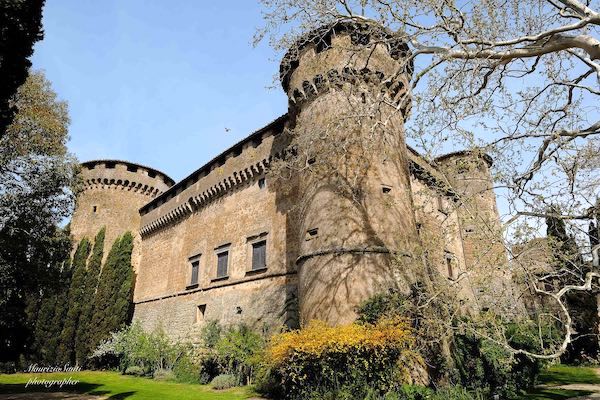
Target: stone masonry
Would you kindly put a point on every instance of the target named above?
(232, 243)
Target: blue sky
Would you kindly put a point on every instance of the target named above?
(157, 82)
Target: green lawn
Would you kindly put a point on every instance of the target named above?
(116, 386)
(563, 375)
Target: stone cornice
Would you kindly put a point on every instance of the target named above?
(106, 183)
(201, 200)
(319, 84)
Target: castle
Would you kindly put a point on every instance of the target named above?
(234, 243)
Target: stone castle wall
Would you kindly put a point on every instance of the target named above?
(324, 254)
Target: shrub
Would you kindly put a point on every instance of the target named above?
(163, 375)
(132, 346)
(134, 370)
(211, 333)
(489, 367)
(209, 368)
(352, 358)
(185, 371)
(238, 352)
(224, 381)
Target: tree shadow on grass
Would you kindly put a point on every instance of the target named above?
(120, 396)
(554, 394)
(79, 388)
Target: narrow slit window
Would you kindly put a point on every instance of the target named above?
(222, 261)
(259, 255)
(262, 183)
(95, 209)
(450, 268)
(441, 205)
(451, 265)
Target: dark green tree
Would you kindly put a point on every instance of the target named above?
(51, 317)
(20, 28)
(571, 269)
(113, 301)
(564, 247)
(75, 303)
(82, 338)
(37, 191)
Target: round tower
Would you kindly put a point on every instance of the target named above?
(483, 245)
(346, 85)
(113, 192)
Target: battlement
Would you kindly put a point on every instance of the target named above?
(124, 175)
(344, 53)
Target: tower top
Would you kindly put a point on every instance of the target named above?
(363, 34)
(124, 174)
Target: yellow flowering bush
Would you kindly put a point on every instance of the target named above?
(318, 338)
(354, 357)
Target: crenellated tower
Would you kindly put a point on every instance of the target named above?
(347, 89)
(113, 192)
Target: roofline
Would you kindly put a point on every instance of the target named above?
(93, 163)
(279, 120)
(486, 157)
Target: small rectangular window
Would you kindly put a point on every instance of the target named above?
(200, 312)
(195, 270)
(94, 209)
(259, 255)
(312, 234)
(222, 261)
(262, 183)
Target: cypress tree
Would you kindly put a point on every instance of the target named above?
(113, 298)
(75, 298)
(52, 313)
(82, 337)
(564, 248)
(122, 298)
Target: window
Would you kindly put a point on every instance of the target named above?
(94, 209)
(195, 270)
(222, 260)
(312, 234)
(262, 183)
(450, 265)
(259, 255)
(386, 189)
(200, 311)
(441, 205)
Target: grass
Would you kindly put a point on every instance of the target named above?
(563, 375)
(554, 394)
(115, 386)
(566, 374)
